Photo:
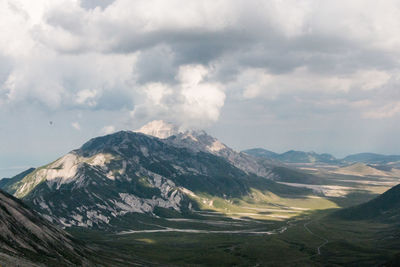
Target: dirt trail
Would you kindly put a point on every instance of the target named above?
(326, 241)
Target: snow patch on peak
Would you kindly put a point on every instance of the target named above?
(160, 129)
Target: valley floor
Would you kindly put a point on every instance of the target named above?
(264, 230)
(316, 239)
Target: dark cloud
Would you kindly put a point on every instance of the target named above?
(157, 64)
(91, 4)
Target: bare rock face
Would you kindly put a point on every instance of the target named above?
(26, 239)
(201, 141)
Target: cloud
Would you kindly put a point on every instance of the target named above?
(92, 4)
(387, 111)
(86, 97)
(194, 62)
(193, 101)
(76, 125)
(260, 83)
(76, 47)
(107, 129)
(60, 81)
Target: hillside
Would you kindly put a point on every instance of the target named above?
(289, 175)
(6, 183)
(384, 208)
(26, 239)
(361, 169)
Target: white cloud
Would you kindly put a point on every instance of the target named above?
(76, 125)
(202, 100)
(192, 102)
(388, 111)
(60, 81)
(86, 97)
(108, 129)
(260, 83)
(156, 93)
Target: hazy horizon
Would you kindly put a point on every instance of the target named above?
(40, 161)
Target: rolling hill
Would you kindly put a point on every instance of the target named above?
(361, 169)
(384, 208)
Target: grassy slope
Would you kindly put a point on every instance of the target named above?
(361, 244)
(385, 207)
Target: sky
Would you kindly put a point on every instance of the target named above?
(307, 75)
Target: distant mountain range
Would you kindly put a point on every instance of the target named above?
(26, 239)
(293, 156)
(372, 158)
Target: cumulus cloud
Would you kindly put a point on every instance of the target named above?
(192, 101)
(86, 97)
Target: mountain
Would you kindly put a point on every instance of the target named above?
(261, 153)
(26, 239)
(385, 207)
(361, 169)
(293, 156)
(200, 141)
(290, 175)
(372, 158)
(130, 172)
(6, 183)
